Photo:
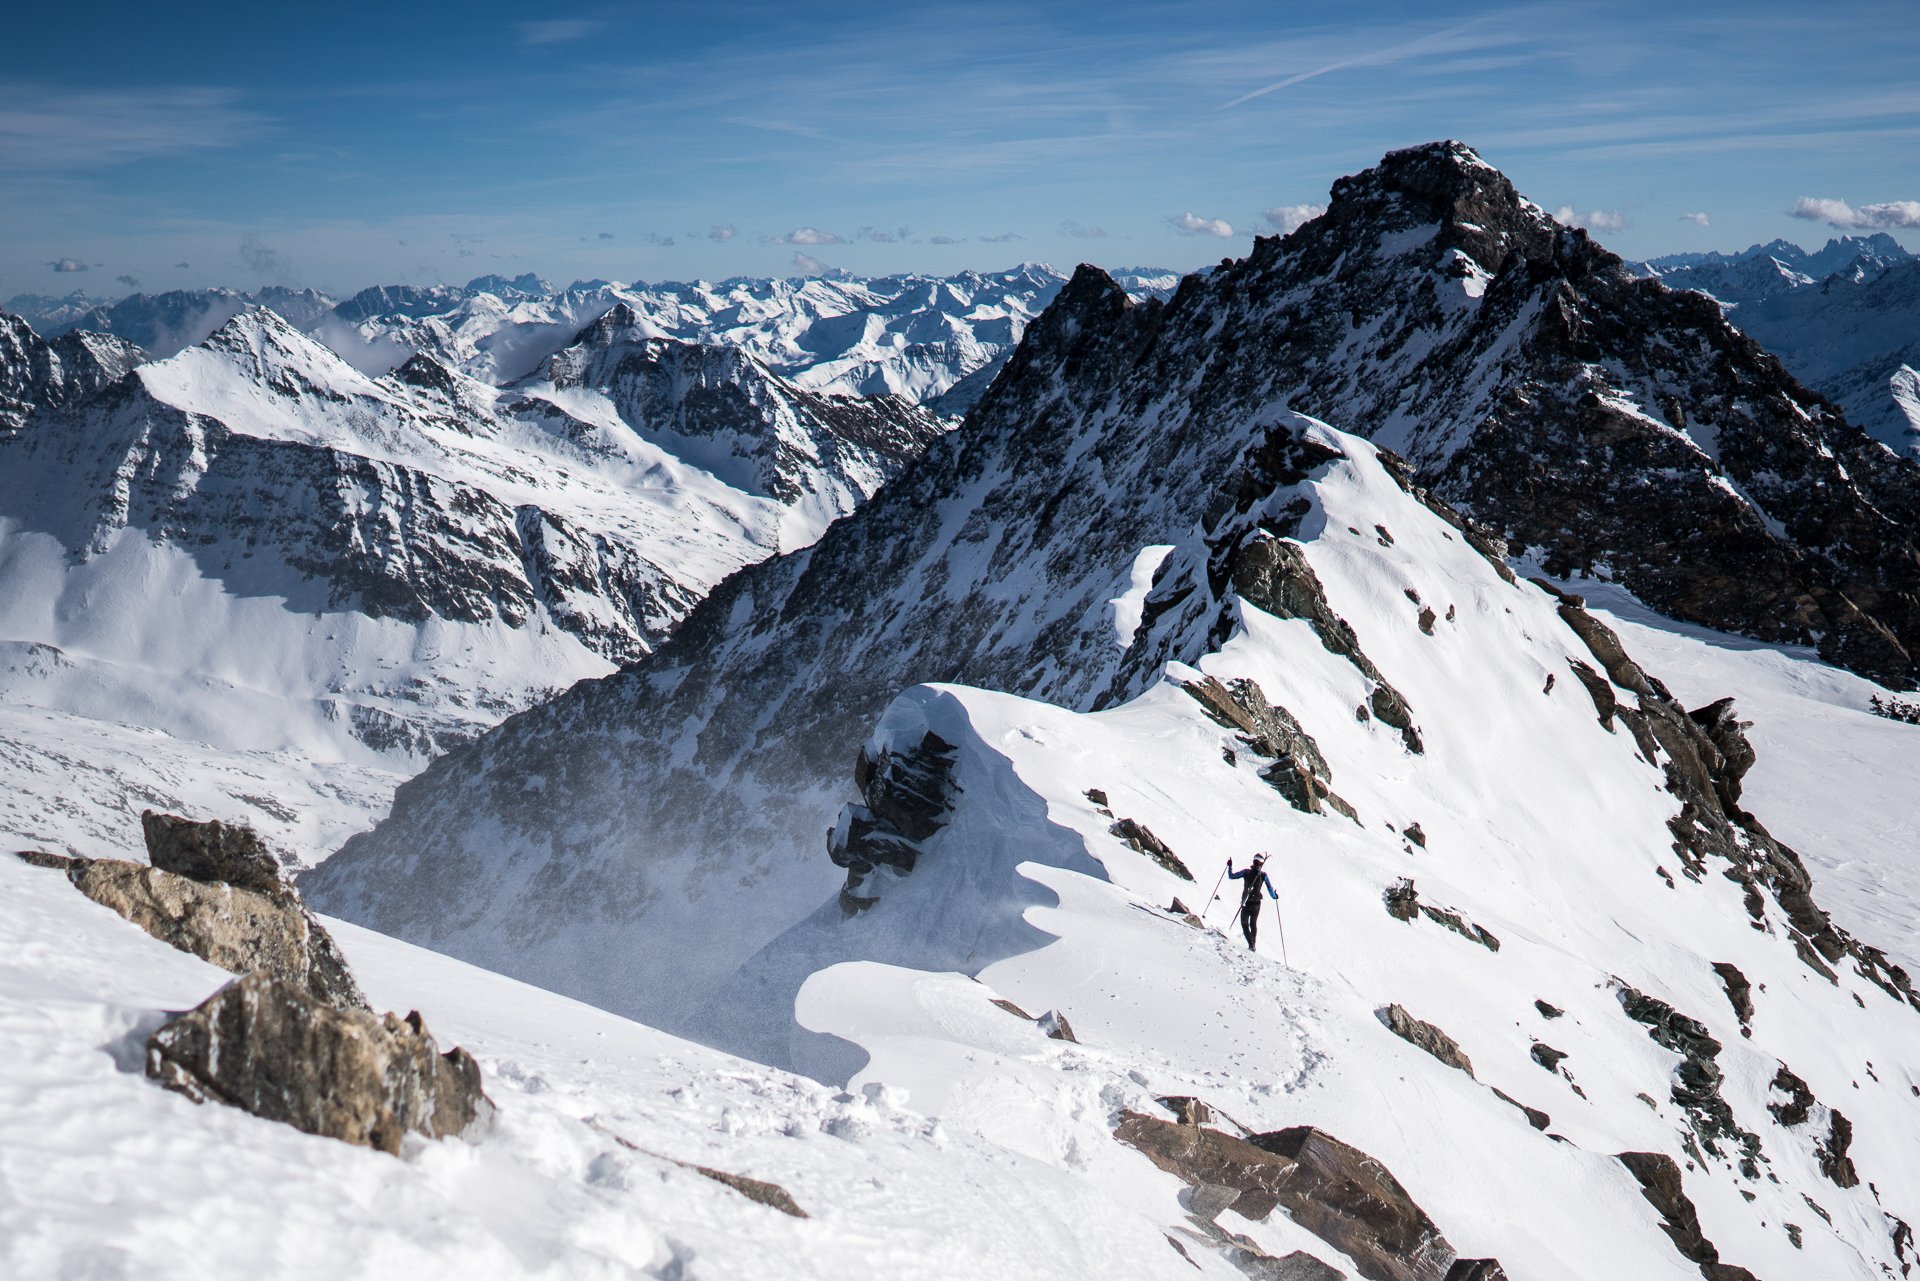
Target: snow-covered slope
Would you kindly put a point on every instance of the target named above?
(106, 1175)
(969, 1144)
(253, 547)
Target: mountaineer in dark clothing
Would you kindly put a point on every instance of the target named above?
(1255, 876)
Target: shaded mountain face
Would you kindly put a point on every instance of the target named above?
(405, 558)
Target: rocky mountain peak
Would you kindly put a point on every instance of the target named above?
(1446, 185)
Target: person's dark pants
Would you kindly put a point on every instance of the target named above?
(1250, 919)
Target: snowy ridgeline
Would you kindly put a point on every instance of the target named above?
(1553, 933)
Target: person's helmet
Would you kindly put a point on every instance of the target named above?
(1258, 859)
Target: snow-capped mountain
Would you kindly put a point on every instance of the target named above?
(254, 547)
(1507, 355)
(52, 315)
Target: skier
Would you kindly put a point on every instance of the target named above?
(1255, 877)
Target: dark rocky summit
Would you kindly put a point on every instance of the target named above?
(268, 1047)
(1534, 379)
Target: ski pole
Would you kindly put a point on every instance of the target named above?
(1214, 897)
(1280, 919)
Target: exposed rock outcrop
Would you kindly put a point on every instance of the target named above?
(1696, 1079)
(1705, 755)
(1141, 838)
(269, 1047)
(907, 798)
(1299, 771)
(1659, 1179)
(1426, 1036)
(1331, 1189)
(1403, 904)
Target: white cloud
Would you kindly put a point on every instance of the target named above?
(67, 264)
(1195, 225)
(809, 236)
(558, 30)
(1838, 213)
(1697, 219)
(1002, 238)
(721, 231)
(1286, 218)
(1080, 231)
(809, 265)
(943, 240)
(1593, 220)
(654, 238)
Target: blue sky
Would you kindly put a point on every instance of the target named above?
(349, 144)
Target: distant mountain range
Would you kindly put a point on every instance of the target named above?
(1845, 319)
(919, 336)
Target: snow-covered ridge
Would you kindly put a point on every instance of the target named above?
(1536, 825)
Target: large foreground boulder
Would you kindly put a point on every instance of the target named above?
(270, 1047)
(215, 891)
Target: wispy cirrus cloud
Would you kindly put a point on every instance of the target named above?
(45, 129)
(1194, 225)
(1697, 219)
(1876, 217)
(1001, 238)
(1081, 231)
(721, 232)
(1432, 42)
(808, 264)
